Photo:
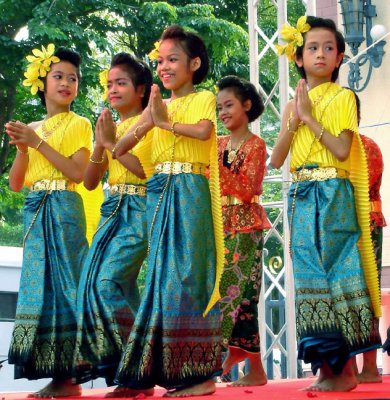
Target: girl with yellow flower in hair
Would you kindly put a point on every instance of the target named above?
(336, 298)
(51, 159)
(108, 296)
(175, 339)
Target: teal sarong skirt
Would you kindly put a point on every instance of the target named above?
(333, 308)
(171, 344)
(44, 335)
(108, 296)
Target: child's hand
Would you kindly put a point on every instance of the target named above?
(158, 108)
(303, 102)
(146, 118)
(106, 130)
(22, 135)
(122, 147)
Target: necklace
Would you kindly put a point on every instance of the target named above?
(47, 132)
(317, 100)
(181, 103)
(232, 153)
(123, 127)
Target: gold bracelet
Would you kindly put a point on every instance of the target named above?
(173, 128)
(321, 133)
(288, 123)
(38, 145)
(96, 162)
(113, 149)
(20, 151)
(135, 133)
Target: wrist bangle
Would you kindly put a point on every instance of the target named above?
(173, 128)
(114, 149)
(96, 162)
(39, 144)
(135, 133)
(288, 123)
(321, 133)
(20, 151)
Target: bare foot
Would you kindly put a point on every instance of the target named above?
(339, 383)
(58, 389)
(122, 391)
(256, 375)
(370, 373)
(325, 373)
(250, 380)
(200, 389)
(234, 356)
(369, 377)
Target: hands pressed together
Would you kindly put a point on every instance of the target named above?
(302, 106)
(155, 114)
(22, 135)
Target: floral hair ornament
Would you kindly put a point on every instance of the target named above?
(153, 55)
(103, 78)
(39, 66)
(293, 38)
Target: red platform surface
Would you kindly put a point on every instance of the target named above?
(288, 389)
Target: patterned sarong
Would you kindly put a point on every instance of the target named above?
(171, 344)
(240, 289)
(44, 336)
(108, 296)
(334, 312)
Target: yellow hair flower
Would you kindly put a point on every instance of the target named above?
(39, 66)
(103, 78)
(153, 55)
(293, 38)
(42, 59)
(33, 81)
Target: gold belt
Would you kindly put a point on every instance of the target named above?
(375, 206)
(177, 167)
(318, 174)
(126, 188)
(230, 200)
(59, 184)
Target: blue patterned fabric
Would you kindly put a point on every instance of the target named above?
(334, 314)
(171, 344)
(108, 296)
(44, 334)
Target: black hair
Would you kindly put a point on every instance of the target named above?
(138, 72)
(317, 22)
(193, 46)
(243, 90)
(68, 55)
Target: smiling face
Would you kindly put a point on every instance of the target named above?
(320, 56)
(61, 84)
(174, 68)
(122, 94)
(231, 111)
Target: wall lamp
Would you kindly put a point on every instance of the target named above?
(357, 13)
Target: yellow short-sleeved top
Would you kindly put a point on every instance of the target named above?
(335, 108)
(188, 109)
(191, 109)
(328, 99)
(117, 173)
(67, 133)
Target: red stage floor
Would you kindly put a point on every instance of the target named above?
(274, 390)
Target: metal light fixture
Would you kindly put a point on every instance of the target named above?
(355, 14)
